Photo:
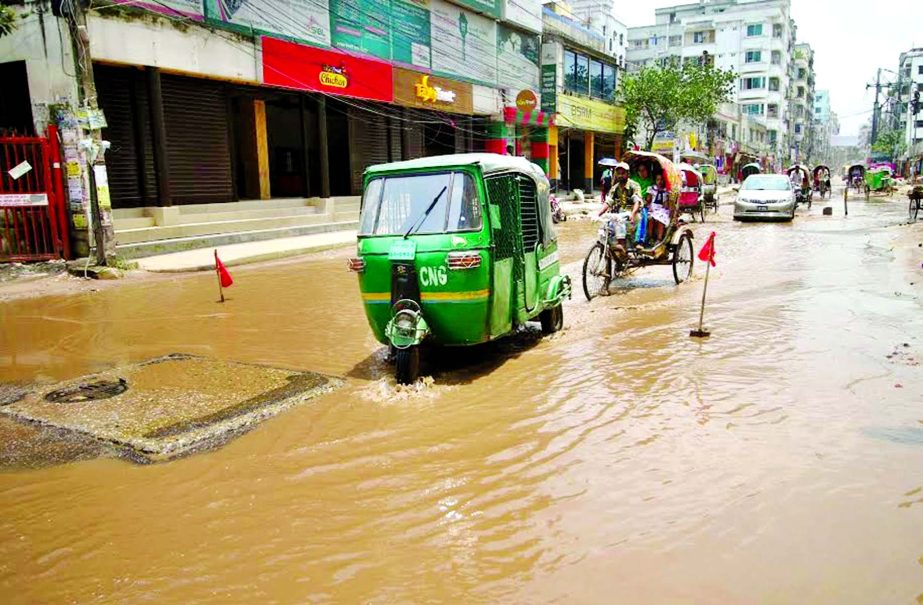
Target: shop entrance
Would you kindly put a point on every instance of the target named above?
(572, 161)
(285, 134)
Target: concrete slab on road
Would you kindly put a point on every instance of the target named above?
(168, 406)
(203, 259)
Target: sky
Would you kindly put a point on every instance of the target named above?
(851, 40)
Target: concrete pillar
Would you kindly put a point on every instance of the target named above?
(262, 147)
(322, 144)
(159, 134)
(588, 161)
(553, 161)
(539, 143)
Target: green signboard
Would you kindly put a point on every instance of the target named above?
(410, 28)
(549, 85)
(517, 59)
(362, 26)
(488, 7)
(298, 20)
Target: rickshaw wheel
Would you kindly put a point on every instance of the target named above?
(594, 284)
(407, 365)
(683, 259)
(701, 213)
(552, 319)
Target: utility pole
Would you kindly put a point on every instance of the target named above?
(75, 14)
(876, 108)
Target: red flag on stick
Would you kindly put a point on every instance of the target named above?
(707, 253)
(224, 277)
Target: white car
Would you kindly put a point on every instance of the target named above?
(765, 196)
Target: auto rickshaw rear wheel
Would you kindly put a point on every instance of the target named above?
(407, 365)
(552, 319)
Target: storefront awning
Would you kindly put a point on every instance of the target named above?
(513, 115)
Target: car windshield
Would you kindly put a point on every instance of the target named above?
(766, 182)
(393, 205)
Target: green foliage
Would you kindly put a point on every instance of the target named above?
(891, 142)
(659, 97)
(7, 20)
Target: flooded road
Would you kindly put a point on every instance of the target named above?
(618, 461)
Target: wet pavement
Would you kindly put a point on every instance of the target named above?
(617, 461)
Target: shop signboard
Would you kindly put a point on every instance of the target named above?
(549, 85)
(488, 7)
(362, 26)
(301, 20)
(663, 142)
(410, 26)
(589, 114)
(426, 91)
(302, 67)
(463, 44)
(524, 13)
(517, 59)
(190, 9)
(526, 100)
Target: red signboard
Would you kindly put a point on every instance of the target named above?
(309, 68)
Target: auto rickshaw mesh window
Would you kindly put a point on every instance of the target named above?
(528, 211)
(425, 203)
(503, 191)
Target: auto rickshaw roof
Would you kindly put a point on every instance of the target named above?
(489, 163)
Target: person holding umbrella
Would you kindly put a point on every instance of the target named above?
(605, 182)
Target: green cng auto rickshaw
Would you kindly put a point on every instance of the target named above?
(456, 250)
(877, 180)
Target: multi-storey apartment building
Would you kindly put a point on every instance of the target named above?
(911, 79)
(600, 17)
(826, 126)
(802, 102)
(755, 39)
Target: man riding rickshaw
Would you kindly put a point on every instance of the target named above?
(822, 180)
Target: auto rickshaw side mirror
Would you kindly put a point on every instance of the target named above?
(495, 216)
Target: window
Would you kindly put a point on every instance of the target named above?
(753, 56)
(610, 45)
(776, 30)
(773, 137)
(394, 205)
(582, 74)
(698, 37)
(755, 30)
(753, 109)
(621, 39)
(752, 83)
(576, 72)
(797, 128)
(776, 57)
(676, 41)
(919, 124)
(774, 84)
(801, 92)
(802, 73)
(596, 78)
(772, 110)
(608, 82)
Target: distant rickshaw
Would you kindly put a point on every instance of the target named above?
(878, 180)
(855, 178)
(799, 174)
(709, 186)
(752, 168)
(690, 196)
(916, 200)
(822, 180)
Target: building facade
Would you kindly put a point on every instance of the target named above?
(754, 39)
(801, 105)
(911, 123)
(279, 102)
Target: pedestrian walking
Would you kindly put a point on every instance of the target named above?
(605, 183)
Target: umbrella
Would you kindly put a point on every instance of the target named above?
(608, 162)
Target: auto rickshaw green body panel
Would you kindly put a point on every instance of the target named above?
(474, 284)
(878, 179)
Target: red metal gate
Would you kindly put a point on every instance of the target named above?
(33, 209)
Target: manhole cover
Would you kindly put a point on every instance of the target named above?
(90, 391)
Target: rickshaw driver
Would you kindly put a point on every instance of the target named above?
(625, 195)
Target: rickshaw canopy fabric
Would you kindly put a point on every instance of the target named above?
(694, 156)
(672, 179)
(691, 171)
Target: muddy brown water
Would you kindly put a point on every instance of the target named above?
(778, 461)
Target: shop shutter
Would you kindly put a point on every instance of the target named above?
(122, 95)
(413, 140)
(199, 154)
(368, 143)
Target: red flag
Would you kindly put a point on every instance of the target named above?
(223, 276)
(707, 253)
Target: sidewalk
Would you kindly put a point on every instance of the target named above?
(203, 259)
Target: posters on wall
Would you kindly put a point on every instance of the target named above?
(303, 20)
(517, 59)
(410, 38)
(488, 7)
(191, 9)
(524, 13)
(463, 43)
(362, 26)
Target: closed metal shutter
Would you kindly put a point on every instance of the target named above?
(368, 143)
(199, 152)
(413, 140)
(122, 95)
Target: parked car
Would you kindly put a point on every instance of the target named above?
(765, 196)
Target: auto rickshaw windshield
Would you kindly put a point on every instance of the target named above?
(444, 202)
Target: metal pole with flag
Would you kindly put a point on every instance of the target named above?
(707, 255)
(224, 277)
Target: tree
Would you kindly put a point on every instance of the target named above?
(659, 97)
(890, 142)
(7, 20)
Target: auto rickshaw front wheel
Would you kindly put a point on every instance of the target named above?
(407, 364)
(552, 319)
